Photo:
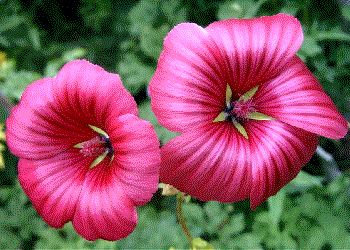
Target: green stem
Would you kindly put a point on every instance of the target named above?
(179, 201)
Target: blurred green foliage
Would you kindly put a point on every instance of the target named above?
(38, 37)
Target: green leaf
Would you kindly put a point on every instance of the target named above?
(287, 241)
(215, 215)
(174, 11)
(245, 241)
(152, 40)
(333, 228)
(235, 226)
(11, 22)
(213, 208)
(310, 47)
(309, 205)
(52, 67)
(194, 216)
(345, 10)
(343, 56)
(303, 181)
(143, 14)
(194, 212)
(135, 75)
(334, 34)
(9, 240)
(231, 10)
(73, 54)
(316, 239)
(16, 82)
(276, 206)
(34, 37)
(262, 224)
(290, 8)
(102, 9)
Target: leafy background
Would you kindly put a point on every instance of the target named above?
(37, 37)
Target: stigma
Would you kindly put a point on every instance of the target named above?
(239, 111)
(96, 146)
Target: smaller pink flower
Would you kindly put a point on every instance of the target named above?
(53, 130)
(253, 141)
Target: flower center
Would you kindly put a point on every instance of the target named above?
(96, 146)
(239, 110)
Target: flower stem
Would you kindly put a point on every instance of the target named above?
(179, 201)
(329, 165)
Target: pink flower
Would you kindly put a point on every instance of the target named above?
(52, 130)
(247, 107)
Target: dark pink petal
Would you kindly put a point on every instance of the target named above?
(89, 94)
(36, 129)
(136, 155)
(52, 117)
(278, 152)
(256, 49)
(104, 210)
(188, 88)
(211, 163)
(296, 97)
(53, 114)
(217, 163)
(54, 185)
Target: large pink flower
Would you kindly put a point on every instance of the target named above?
(54, 132)
(247, 107)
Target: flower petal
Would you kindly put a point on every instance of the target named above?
(90, 94)
(217, 163)
(256, 49)
(188, 87)
(104, 210)
(137, 156)
(53, 185)
(296, 97)
(278, 152)
(37, 130)
(58, 111)
(210, 163)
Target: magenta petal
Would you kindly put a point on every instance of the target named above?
(54, 185)
(256, 49)
(46, 130)
(188, 88)
(104, 210)
(210, 163)
(188, 80)
(37, 130)
(296, 97)
(278, 152)
(89, 94)
(137, 156)
(218, 163)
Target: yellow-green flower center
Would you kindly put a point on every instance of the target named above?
(240, 111)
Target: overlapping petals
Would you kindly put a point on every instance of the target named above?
(218, 163)
(197, 64)
(214, 161)
(296, 97)
(53, 117)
